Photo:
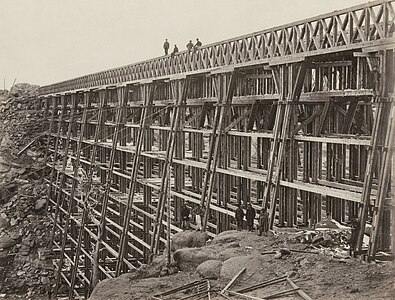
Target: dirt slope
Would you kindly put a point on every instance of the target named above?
(322, 275)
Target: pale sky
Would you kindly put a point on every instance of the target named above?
(47, 41)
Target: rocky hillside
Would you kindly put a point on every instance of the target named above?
(26, 267)
(316, 261)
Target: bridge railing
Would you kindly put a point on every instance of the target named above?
(331, 32)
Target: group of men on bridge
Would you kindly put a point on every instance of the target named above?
(190, 46)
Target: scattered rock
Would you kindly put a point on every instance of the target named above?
(40, 204)
(24, 250)
(4, 223)
(45, 280)
(318, 239)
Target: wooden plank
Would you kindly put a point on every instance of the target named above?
(275, 295)
(121, 102)
(370, 165)
(383, 182)
(232, 281)
(349, 117)
(276, 165)
(61, 258)
(300, 292)
(263, 284)
(181, 87)
(180, 288)
(224, 97)
(83, 132)
(305, 123)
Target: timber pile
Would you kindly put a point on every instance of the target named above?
(26, 266)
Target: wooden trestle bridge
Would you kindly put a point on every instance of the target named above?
(298, 118)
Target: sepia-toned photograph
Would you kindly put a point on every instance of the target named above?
(197, 149)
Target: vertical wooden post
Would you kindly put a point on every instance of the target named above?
(225, 89)
(383, 181)
(72, 192)
(54, 170)
(147, 92)
(121, 97)
(180, 90)
(282, 125)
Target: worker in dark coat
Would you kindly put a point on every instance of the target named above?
(355, 227)
(239, 216)
(175, 50)
(263, 222)
(197, 45)
(166, 47)
(250, 215)
(185, 212)
(190, 46)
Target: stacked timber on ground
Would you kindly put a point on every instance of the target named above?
(298, 119)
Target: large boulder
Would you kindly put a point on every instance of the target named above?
(233, 265)
(210, 269)
(40, 204)
(6, 242)
(189, 239)
(228, 237)
(4, 223)
(189, 258)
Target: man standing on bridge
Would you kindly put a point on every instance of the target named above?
(197, 45)
(166, 47)
(174, 51)
(190, 46)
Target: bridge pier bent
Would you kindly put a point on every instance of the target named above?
(298, 119)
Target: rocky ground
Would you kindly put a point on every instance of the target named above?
(317, 261)
(26, 268)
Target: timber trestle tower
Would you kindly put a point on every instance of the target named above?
(298, 119)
